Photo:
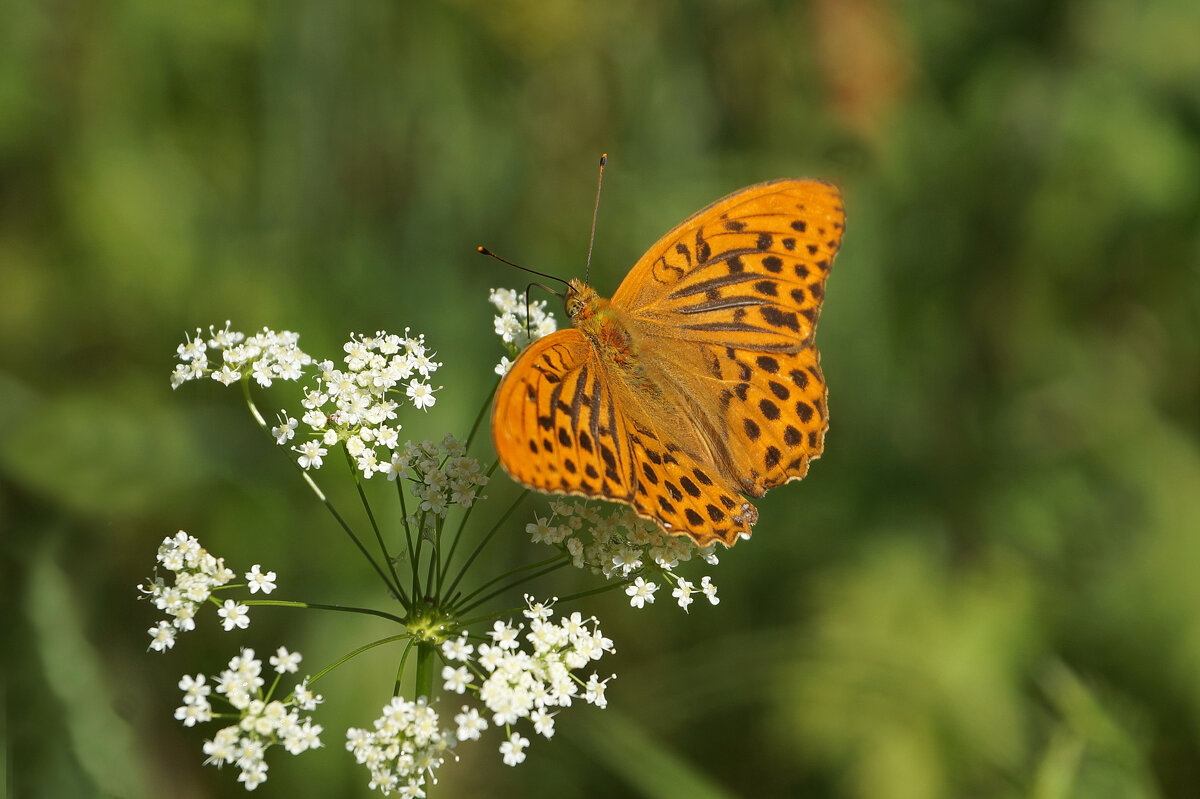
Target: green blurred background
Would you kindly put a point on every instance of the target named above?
(988, 587)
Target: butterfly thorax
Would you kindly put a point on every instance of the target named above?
(605, 327)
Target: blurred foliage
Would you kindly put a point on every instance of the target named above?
(987, 587)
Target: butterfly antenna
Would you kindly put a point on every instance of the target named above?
(595, 212)
(528, 319)
(485, 251)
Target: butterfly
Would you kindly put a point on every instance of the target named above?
(699, 383)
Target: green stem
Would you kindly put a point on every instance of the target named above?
(426, 657)
(387, 558)
(479, 547)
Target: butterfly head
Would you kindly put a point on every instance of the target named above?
(579, 300)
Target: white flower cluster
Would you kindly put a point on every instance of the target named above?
(622, 545)
(262, 723)
(355, 405)
(266, 356)
(517, 684)
(516, 329)
(405, 749)
(439, 475)
(197, 575)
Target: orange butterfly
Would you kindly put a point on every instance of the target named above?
(699, 381)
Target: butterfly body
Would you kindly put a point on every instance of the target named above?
(699, 381)
(608, 330)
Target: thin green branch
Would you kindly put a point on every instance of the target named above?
(387, 558)
(315, 489)
(412, 555)
(512, 585)
(479, 547)
(458, 534)
(357, 652)
(435, 559)
(285, 603)
(396, 687)
(609, 586)
(563, 556)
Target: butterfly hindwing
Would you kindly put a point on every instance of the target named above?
(684, 495)
(775, 412)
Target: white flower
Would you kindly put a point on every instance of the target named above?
(505, 636)
(540, 531)
(258, 581)
(683, 593)
(197, 573)
(620, 545)
(234, 615)
(470, 724)
(458, 649)
(421, 394)
(194, 688)
(594, 690)
(709, 590)
(312, 454)
(440, 475)
(162, 636)
(627, 559)
(640, 592)
(285, 431)
(543, 723)
(457, 680)
(192, 713)
(285, 661)
(514, 749)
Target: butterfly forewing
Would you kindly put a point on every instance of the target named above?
(748, 271)
(556, 426)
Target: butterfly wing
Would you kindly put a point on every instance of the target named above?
(555, 425)
(725, 306)
(562, 424)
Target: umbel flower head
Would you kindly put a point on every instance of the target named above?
(616, 542)
(518, 676)
(517, 684)
(262, 722)
(356, 405)
(196, 575)
(266, 356)
(518, 324)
